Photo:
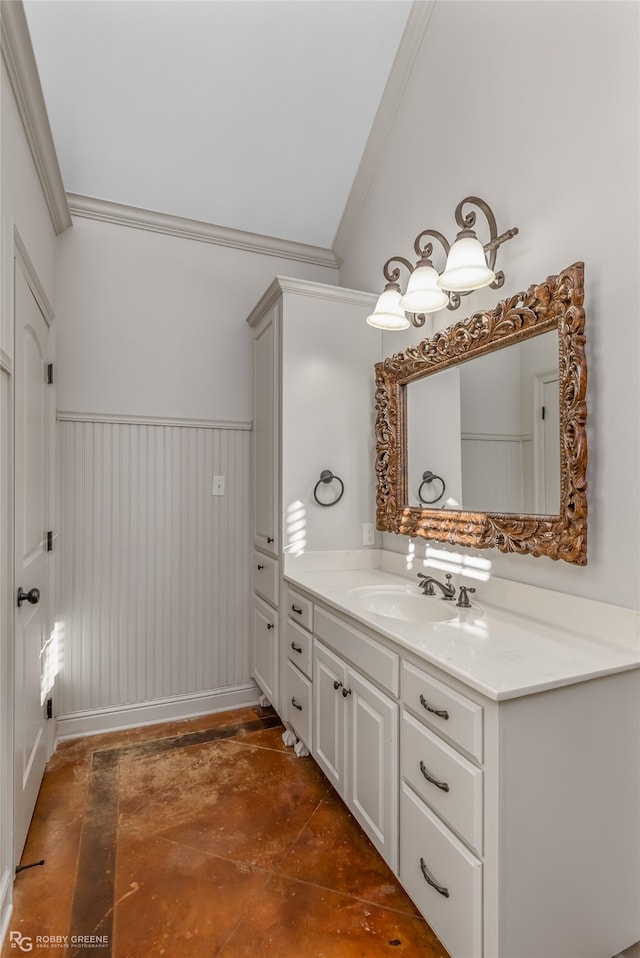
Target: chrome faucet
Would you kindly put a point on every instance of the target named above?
(428, 585)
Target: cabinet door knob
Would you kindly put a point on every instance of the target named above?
(427, 877)
(295, 704)
(346, 692)
(434, 781)
(269, 538)
(337, 685)
(260, 567)
(441, 713)
(270, 625)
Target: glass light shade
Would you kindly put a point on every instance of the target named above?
(466, 267)
(388, 313)
(423, 294)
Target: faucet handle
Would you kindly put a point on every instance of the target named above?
(463, 597)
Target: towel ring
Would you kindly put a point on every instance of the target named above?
(327, 476)
(428, 477)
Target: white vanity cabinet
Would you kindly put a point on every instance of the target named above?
(515, 818)
(313, 358)
(441, 808)
(356, 726)
(298, 643)
(494, 764)
(265, 496)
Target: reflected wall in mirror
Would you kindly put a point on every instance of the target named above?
(481, 430)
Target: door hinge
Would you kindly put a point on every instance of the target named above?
(50, 541)
(49, 708)
(49, 374)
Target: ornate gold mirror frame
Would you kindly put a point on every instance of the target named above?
(557, 303)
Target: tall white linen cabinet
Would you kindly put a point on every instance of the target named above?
(313, 412)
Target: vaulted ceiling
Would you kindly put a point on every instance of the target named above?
(248, 114)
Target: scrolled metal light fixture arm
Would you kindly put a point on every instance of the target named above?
(466, 222)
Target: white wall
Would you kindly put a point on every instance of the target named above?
(534, 107)
(154, 325)
(154, 398)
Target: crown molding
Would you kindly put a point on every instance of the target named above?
(305, 287)
(137, 218)
(31, 276)
(17, 53)
(412, 38)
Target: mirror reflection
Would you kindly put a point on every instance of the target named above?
(484, 435)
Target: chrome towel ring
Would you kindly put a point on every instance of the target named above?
(326, 476)
(427, 478)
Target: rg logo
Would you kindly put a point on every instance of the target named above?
(23, 942)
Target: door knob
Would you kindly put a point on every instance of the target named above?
(32, 596)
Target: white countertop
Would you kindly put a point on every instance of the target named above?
(530, 641)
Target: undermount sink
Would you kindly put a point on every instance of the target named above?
(395, 602)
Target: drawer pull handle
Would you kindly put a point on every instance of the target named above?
(441, 713)
(270, 625)
(346, 692)
(434, 781)
(337, 685)
(429, 880)
(294, 608)
(295, 704)
(296, 648)
(260, 567)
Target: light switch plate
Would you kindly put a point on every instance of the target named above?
(217, 488)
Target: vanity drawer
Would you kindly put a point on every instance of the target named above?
(298, 704)
(299, 647)
(300, 610)
(369, 656)
(460, 802)
(444, 710)
(428, 848)
(266, 577)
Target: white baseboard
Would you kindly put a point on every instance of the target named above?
(6, 903)
(96, 721)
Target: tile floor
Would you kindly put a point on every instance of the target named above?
(204, 838)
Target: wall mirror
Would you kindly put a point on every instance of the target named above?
(481, 429)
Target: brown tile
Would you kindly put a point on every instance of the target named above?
(292, 919)
(334, 852)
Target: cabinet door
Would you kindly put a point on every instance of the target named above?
(329, 677)
(264, 644)
(373, 764)
(265, 482)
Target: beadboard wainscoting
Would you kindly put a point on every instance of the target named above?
(495, 468)
(154, 571)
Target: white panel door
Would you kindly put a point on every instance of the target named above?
(31, 558)
(329, 676)
(374, 770)
(266, 486)
(263, 652)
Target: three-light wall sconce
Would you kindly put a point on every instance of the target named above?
(469, 266)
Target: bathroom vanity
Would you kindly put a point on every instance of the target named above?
(490, 753)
